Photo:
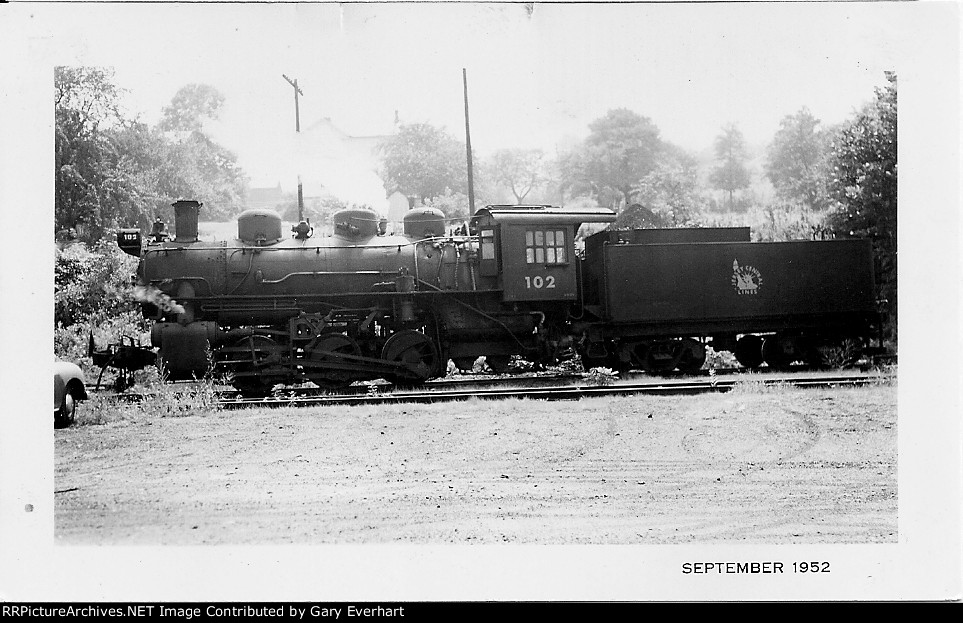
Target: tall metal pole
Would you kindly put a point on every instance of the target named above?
(471, 183)
(297, 128)
(297, 91)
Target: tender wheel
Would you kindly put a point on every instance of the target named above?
(67, 412)
(749, 351)
(660, 357)
(320, 351)
(692, 356)
(417, 352)
(779, 351)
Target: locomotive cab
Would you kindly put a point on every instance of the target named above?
(531, 249)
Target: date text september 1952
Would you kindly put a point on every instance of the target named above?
(767, 567)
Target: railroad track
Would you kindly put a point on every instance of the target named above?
(573, 391)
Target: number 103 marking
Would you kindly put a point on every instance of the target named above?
(538, 282)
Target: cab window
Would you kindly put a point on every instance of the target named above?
(545, 246)
(487, 244)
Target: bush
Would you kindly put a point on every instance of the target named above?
(601, 376)
(93, 293)
(92, 284)
(71, 343)
(774, 222)
(157, 400)
(719, 359)
(842, 355)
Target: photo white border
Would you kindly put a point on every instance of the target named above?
(923, 565)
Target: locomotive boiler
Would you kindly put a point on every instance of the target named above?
(274, 307)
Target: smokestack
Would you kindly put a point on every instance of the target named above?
(185, 220)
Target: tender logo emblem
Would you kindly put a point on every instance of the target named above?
(745, 279)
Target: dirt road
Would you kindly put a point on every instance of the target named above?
(766, 467)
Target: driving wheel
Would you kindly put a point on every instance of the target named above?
(325, 350)
(418, 354)
(250, 354)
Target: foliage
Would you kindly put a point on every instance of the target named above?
(839, 356)
(115, 172)
(93, 188)
(719, 359)
(453, 204)
(423, 161)
(795, 160)
(731, 174)
(669, 196)
(863, 164)
(521, 170)
(789, 221)
(621, 149)
(773, 222)
(158, 400)
(86, 98)
(199, 167)
(600, 376)
(91, 285)
(192, 164)
(71, 342)
(189, 107)
(93, 294)
(750, 385)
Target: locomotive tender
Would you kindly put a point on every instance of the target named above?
(270, 308)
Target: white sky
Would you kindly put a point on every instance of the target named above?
(534, 81)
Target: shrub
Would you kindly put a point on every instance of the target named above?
(601, 376)
(149, 398)
(719, 359)
(842, 355)
(93, 294)
(71, 343)
(92, 284)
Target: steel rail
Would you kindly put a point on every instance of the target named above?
(569, 392)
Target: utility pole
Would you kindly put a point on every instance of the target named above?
(297, 91)
(471, 184)
(297, 128)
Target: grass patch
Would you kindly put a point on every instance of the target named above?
(758, 386)
(153, 400)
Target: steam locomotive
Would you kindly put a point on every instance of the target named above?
(273, 307)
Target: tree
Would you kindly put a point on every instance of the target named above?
(671, 190)
(453, 204)
(194, 165)
(520, 170)
(197, 167)
(621, 149)
(189, 107)
(795, 162)
(114, 172)
(423, 161)
(97, 184)
(731, 174)
(863, 165)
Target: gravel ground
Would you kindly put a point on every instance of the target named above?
(756, 465)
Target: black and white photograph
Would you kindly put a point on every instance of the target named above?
(480, 301)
